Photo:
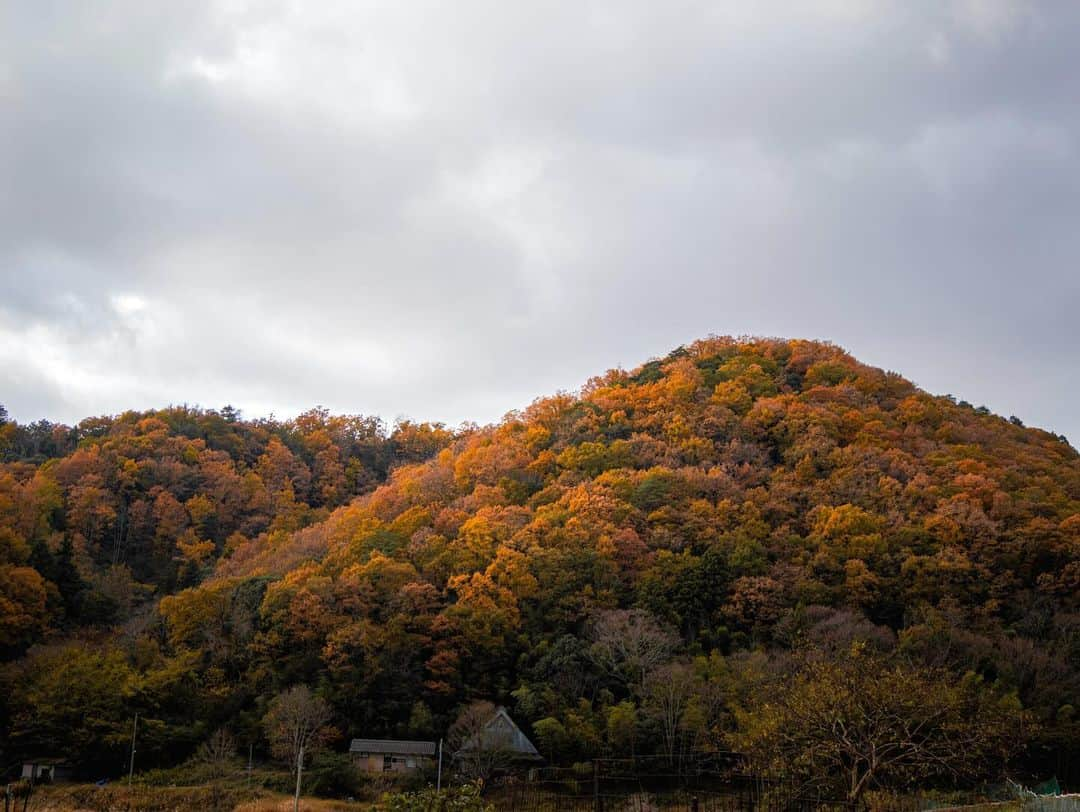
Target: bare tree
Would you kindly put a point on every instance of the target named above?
(867, 721)
(477, 754)
(219, 749)
(296, 724)
(669, 690)
(628, 644)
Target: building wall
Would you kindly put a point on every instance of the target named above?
(44, 773)
(390, 762)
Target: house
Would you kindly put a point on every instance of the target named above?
(46, 770)
(391, 755)
(499, 734)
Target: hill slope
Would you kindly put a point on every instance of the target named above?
(760, 496)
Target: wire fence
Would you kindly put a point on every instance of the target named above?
(710, 783)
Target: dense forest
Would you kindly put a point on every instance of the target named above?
(752, 545)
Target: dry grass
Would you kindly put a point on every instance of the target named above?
(116, 798)
(306, 805)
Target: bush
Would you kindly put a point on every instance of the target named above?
(465, 798)
(332, 774)
(191, 773)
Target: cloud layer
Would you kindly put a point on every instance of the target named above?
(447, 209)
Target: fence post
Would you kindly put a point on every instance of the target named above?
(596, 785)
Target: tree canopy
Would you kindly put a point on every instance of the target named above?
(641, 566)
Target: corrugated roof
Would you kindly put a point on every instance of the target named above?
(392, 746)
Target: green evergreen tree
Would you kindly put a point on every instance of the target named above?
(67, 578)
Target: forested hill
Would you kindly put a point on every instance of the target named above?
(96, 519)
(742, 501)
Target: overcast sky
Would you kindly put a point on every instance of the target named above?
(446, 209)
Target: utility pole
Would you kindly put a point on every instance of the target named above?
(131, 768)
(438, 773)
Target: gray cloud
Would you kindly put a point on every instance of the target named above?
(447, 210)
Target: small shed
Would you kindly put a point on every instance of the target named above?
(46, 770)
(500, 733)
(391, 755)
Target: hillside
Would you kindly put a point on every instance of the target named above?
(99, 517)
(754, 504)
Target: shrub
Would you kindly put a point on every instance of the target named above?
(466, 798)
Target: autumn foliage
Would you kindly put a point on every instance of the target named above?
(730, 508)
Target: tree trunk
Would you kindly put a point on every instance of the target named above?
(858, 784)
(299, 772)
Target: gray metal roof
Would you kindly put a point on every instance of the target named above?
(396, 746)
(501, 733)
